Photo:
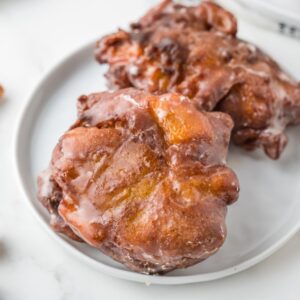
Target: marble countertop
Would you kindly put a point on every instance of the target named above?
(34, 34)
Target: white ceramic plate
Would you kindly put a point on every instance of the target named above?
(266, 215)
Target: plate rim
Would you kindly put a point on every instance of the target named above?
(106, 269)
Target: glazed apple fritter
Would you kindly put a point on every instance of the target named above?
(143, 179)
(194, 51)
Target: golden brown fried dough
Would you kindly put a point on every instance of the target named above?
(2, 92)
(194, 51)
(143, 179)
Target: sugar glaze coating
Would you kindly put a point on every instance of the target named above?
(194, 51)
(143, 179)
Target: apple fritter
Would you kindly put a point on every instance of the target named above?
(143, 179)
(194, 51)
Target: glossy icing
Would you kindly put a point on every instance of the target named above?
(194, 51)
(143, 179)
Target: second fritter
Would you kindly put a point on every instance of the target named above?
(194, 51)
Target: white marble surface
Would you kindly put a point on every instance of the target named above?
(34, 34)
